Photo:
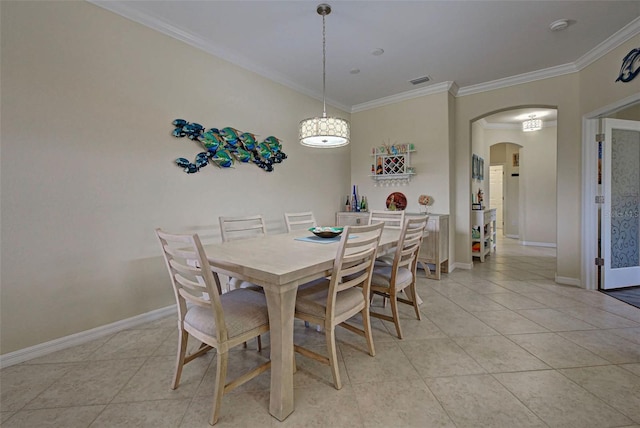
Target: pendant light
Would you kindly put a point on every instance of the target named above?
(324, 132)
(531, 124)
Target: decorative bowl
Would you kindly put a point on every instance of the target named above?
(326, 232)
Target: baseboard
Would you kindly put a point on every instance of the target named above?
(568, 281)
(539, 244)
(512, 236)
(45, 348)
(459, 265)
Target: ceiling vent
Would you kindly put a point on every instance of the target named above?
(420, 80)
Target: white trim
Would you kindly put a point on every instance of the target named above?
(460, 265)
(589, 217)
(625, 33)
(568, 281)
(538, 244)
(518, 79)
(155, 23)
(76, 339)
(403, 96)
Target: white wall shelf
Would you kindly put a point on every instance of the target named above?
(392, 166)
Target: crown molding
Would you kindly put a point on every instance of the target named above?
(630, 30)
(627, 32)
(518, 79)
(164, 27)
(403, 96)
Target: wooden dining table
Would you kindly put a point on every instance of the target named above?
(279, 264)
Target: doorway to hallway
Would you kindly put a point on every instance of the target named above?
(496, 194)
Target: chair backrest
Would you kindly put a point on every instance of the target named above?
(391, 219)
(411, 236)
(189, 280)
(354, 262)
(234, 228)
(298, 221)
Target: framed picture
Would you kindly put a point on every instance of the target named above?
(474, 167)
(516, 159)
(481, 169)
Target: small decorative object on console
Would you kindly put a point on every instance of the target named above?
(396, 201)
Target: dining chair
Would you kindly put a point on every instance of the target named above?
(391, 219)
(241, 227)
(216, 320)
(388, 281)
(330, 302)
(298, 221)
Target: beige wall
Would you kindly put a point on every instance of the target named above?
(88, 167)
(87, 160)
(422, 121)
(561, 93)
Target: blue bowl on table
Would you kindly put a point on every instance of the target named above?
(326, 232)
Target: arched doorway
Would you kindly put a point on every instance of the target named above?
(531, 162)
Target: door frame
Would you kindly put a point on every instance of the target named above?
(589, 235)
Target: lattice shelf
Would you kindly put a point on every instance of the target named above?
(395, 166)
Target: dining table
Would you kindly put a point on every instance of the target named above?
(280, 263)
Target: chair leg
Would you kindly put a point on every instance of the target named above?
(221, 378)
(366, 322)
(183, 338)
(259, 344)
(330, 334)
(396, 316)
(415, 299)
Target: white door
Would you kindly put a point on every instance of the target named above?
(620, 211)
(495, 191)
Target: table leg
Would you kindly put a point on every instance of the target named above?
(281, 305)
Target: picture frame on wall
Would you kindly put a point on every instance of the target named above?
(515, 160)
(474, 167)
(481, 169)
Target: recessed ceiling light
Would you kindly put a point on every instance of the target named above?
(559, 25)
(354, 71)
(377, 52)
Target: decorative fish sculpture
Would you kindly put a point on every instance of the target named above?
(230, 135)
(211, 140)
(242, 155)
(630, 66)
(189, 167)
(225, 146)
(263, 150)
(273, 143)
(222, 158)
(202, 159)
(248, 140)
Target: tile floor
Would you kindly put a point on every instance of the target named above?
(501, 345)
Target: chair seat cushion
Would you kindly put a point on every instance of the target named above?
(243, 309)
(241, 283)
(312, 299)
(382, 277)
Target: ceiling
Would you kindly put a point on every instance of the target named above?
(464, 44)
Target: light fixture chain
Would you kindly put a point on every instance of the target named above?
(324, 67)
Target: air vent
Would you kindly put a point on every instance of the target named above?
(420, 80)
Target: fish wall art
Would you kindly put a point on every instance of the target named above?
(226, 146)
